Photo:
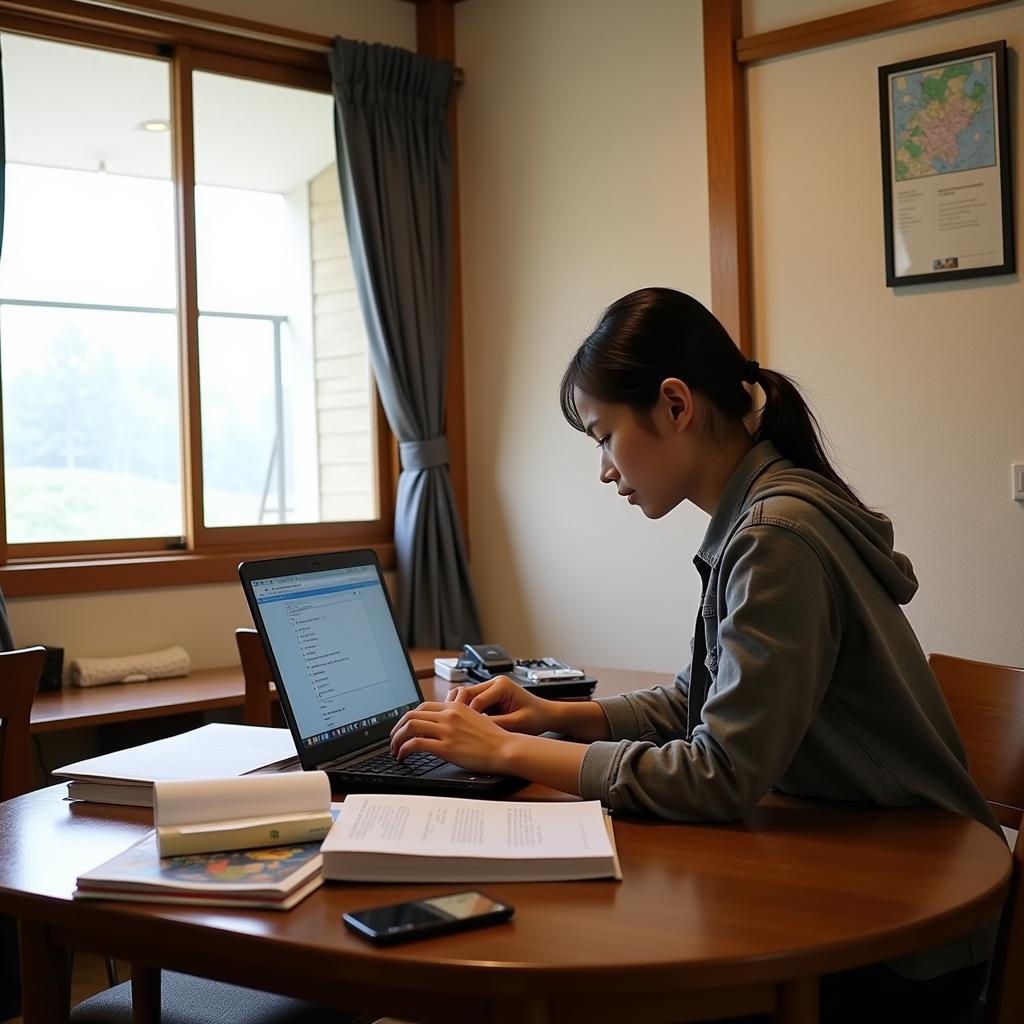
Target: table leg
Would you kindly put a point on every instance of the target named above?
(798, 1002)
(145, 994)
(45, 976)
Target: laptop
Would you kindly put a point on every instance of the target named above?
(343, 675)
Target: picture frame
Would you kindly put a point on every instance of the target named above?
(947, 172)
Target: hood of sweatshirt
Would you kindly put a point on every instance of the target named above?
(764, 474)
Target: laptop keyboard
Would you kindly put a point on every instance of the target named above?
(385, 764)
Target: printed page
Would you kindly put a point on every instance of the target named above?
(213, 751)
(235, 800)
(446, 827)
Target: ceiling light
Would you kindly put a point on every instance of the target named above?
(155, 125)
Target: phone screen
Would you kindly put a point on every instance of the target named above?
(438, 912)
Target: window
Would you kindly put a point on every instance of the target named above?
(183, 359)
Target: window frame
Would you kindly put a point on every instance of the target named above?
(204, 554)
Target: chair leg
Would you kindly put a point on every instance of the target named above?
(111, 965)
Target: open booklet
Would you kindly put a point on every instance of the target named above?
(392, 838)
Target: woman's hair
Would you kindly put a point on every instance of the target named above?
(656, 333)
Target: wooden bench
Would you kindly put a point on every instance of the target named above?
(205, 690)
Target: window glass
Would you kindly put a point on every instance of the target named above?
(88, 326)
(285, 394)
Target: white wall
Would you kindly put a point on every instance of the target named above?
(582, 142)
(920, 387)
(202, 619)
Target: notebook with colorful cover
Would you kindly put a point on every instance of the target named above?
(275, 877)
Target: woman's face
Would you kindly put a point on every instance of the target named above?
(650, 463)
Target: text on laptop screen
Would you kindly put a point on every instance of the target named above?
(341, 661)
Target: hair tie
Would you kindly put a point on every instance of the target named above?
(751, 372)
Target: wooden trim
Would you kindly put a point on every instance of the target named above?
(312, 79)
(213, 537)
(182, 14)
(864, 21)
(435, 37)
(155, 30)
(728, 170)
(388, 467)
(136, 572)
(43, 27)
(183, 156)
(64, 549)
(197, 27)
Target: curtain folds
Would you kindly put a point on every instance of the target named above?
(395, 168)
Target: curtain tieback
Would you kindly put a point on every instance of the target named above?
(424, 454)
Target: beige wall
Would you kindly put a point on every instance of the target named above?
(583, 177)
(920, 387)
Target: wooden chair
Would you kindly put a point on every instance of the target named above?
(987, 703)
(259, 706)
(19, 679)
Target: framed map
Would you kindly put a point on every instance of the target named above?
(946, 172)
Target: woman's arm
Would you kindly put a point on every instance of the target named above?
(778, 643)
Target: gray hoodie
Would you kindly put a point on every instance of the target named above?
(806, 676)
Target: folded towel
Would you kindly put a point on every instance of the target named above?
(133, 668)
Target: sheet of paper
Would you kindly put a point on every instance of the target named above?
(202, 801)
(213, 751)
(444, 826)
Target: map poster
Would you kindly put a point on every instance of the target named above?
(946, 171)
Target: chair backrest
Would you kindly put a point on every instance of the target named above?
(258, 709)
(987, 703)
(1004, 1001)
(19, 680)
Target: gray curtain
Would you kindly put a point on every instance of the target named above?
(395, 166)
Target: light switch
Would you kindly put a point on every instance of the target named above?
(1018, 481)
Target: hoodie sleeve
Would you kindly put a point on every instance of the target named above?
(656, 715)
(777, 647)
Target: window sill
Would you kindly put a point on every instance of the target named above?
(47, 578)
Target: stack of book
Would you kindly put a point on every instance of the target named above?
(251, 841)
(213, 751)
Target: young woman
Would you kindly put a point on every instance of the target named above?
(805, 675)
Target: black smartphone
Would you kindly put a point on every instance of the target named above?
(436, 915)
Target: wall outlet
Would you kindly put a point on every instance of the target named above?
(1018, 481)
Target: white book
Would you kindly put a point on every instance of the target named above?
(393, 838)
(207, 815)
(217, 750)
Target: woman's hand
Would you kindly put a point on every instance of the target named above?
(508, 705)
(455, 732)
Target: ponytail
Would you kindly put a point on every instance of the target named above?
(787, 421)
(655, 333)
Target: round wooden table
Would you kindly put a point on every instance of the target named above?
(708, 920)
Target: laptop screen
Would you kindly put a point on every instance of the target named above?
(338, 653)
